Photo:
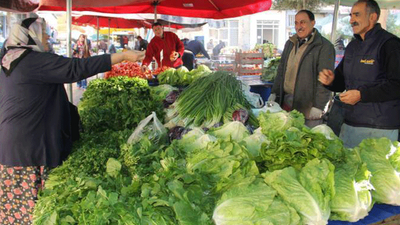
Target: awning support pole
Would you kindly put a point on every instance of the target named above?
(69, 46)
(334, 23)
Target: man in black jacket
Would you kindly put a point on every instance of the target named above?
(370, 76)
(192, 48)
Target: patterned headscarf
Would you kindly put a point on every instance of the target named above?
(23, 38)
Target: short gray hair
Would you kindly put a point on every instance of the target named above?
(372, 6)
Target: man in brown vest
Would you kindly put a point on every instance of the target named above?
(305, 54)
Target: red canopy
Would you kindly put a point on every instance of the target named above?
(113, 22)
(117, 22)
(215, 9)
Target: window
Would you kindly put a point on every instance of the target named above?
(234, 33)
(290, 21)
(268, 30)
(227, 31)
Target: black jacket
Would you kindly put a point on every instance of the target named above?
(35, 119)
(372, 67)
(308, 92)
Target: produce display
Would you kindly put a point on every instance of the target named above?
(266, 48)
(182, 76)
(129, 69)
(110, 104)
(209, 100)
(214, 168)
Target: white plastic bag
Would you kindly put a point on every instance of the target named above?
(254, 99)
(151, 126)
(269, 106)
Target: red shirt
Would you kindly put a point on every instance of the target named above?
(169, 43)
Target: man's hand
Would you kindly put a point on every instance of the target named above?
(326, 77)
(133, 56)
(350, 97)
(174, 56)
(144, 68)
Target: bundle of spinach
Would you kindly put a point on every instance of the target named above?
(117, 103)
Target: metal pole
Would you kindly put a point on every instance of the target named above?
(155, 13)
(69, 48)
(97, 50)
(109, 36)
(334, 22)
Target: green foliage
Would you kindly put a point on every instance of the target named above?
(293, 144)
(266, 48)
(253, 203)
(161, 91)
(298, 4)
(353, 199)
(391, 25)
(117, 103)
(308, 190)
(383, 160)
(270, 71)
(207, 99)
(182, 76)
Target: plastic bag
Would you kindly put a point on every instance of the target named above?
(150, 126)
(269, 106)
(254, 99)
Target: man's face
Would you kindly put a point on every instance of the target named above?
(361, 20)
(158, 31)
(303, 25)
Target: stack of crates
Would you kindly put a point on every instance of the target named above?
(249, 64)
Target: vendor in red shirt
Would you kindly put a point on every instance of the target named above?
(165, 47)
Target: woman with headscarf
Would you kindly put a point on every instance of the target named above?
(82, 50)
(35, 119)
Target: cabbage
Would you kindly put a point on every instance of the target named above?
(309, 191)
(353, 199)
(253, 204)
(253, 144)
(223, 163)
(181, 75)
(161, 91)
(325, 130)
(382, 159)
(235, 129)
(280, 121)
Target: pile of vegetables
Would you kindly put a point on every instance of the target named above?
(160, 92)
(129, 69)
(271, 70)
(210, 100)
(292, 144)
(219, 176)
(116, 104)
(214, 168)
(267, 49)
(182, 76)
